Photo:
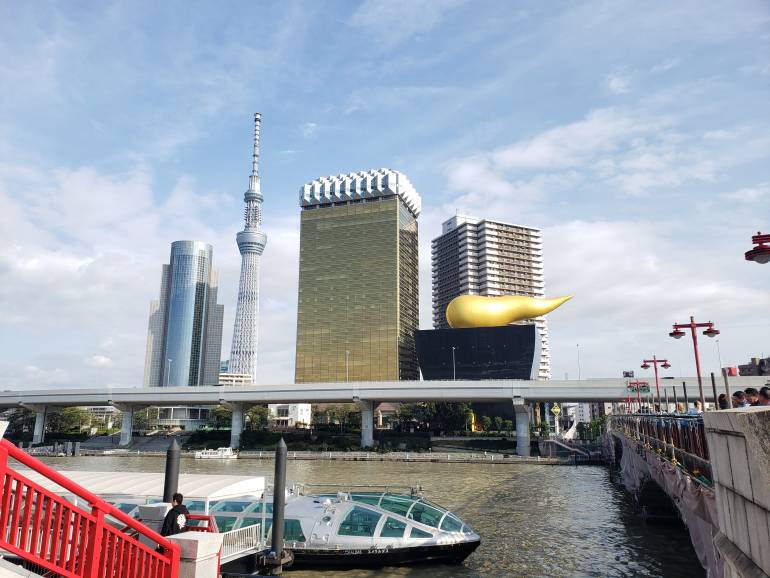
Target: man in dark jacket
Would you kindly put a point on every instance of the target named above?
(176, 519)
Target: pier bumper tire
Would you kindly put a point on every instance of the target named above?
(287, 559)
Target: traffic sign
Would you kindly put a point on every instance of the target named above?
(556, 410)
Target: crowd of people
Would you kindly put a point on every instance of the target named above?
(746, 398)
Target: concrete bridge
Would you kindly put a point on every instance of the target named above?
(713, 472)
(520, 393)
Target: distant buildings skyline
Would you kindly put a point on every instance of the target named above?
(488, 257)
(184, 337)
(358, 278)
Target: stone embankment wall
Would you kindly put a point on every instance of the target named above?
(695, 502)
(739, 447)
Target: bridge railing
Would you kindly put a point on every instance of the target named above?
(680, 438)
(43, 528)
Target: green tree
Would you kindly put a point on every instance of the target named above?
(498, 423)
(141, 419)
(508, 425)
(338, 414)
(486, 423)
(68, 420)
(20, 420)
(258, 416)
(220, 417)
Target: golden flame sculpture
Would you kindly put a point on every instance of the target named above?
(479, 311)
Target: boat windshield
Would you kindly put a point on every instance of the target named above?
(411, 507)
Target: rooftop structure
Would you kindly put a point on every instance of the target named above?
(360, 186)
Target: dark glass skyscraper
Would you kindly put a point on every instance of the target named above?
(358, 279)
(184, 339)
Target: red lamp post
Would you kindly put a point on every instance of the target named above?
(710, 331)
(638, 386)
(655, 361)
(760, 253)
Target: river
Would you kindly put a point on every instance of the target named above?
(535, 521)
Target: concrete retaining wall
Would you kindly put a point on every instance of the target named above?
(739, 446)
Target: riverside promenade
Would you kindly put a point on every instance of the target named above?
(714, 469)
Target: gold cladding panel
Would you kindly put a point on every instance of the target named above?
(349, 293)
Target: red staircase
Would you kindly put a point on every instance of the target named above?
(46, 530)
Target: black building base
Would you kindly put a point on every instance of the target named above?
(477, 353)
(506, 352)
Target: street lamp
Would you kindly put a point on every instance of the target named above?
(168, 371)
(655, 361)
(760, 253)
(577, 346)
(710, 331)
(454, 371)
(638, 387)
(347, 375)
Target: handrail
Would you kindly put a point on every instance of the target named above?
(679, 438)
(43, 527)
(211, 523)
(236, 542)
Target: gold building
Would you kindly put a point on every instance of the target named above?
(358, 279)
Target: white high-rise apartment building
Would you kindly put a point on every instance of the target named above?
(483, 257)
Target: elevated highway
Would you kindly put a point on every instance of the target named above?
(521, 393)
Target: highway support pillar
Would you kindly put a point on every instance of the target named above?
(236, 425)
(521, 409)
(38, 434)
(127, 427)
(367, 423)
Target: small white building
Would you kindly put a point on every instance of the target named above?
(232, 379)
(583, 414)
(288, 415)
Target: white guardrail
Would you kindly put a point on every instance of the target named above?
(240, 542)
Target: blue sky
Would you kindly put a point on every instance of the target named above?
(635, 134)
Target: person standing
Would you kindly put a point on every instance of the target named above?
(176, 518)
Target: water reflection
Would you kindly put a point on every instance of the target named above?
(535, 521)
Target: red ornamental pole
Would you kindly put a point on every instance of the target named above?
(657, 383)
(693, 328)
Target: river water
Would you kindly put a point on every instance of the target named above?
(535, 521)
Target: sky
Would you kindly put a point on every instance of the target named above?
(635, 134)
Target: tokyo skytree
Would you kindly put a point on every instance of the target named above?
(251, 243)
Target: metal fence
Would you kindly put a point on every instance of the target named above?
(680, 438)
(391, 456)
(240, 542)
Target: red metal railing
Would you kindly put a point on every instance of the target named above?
(44, 528)
(211, 523)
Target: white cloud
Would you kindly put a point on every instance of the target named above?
(618, 82)
(308, 129)
(629, 149)
(392, 22)
(631, 279)
(665, 65)
(99, 361)
(749, 194)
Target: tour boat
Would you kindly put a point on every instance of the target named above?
(366, 528)
(324, 526)
(217, 454)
